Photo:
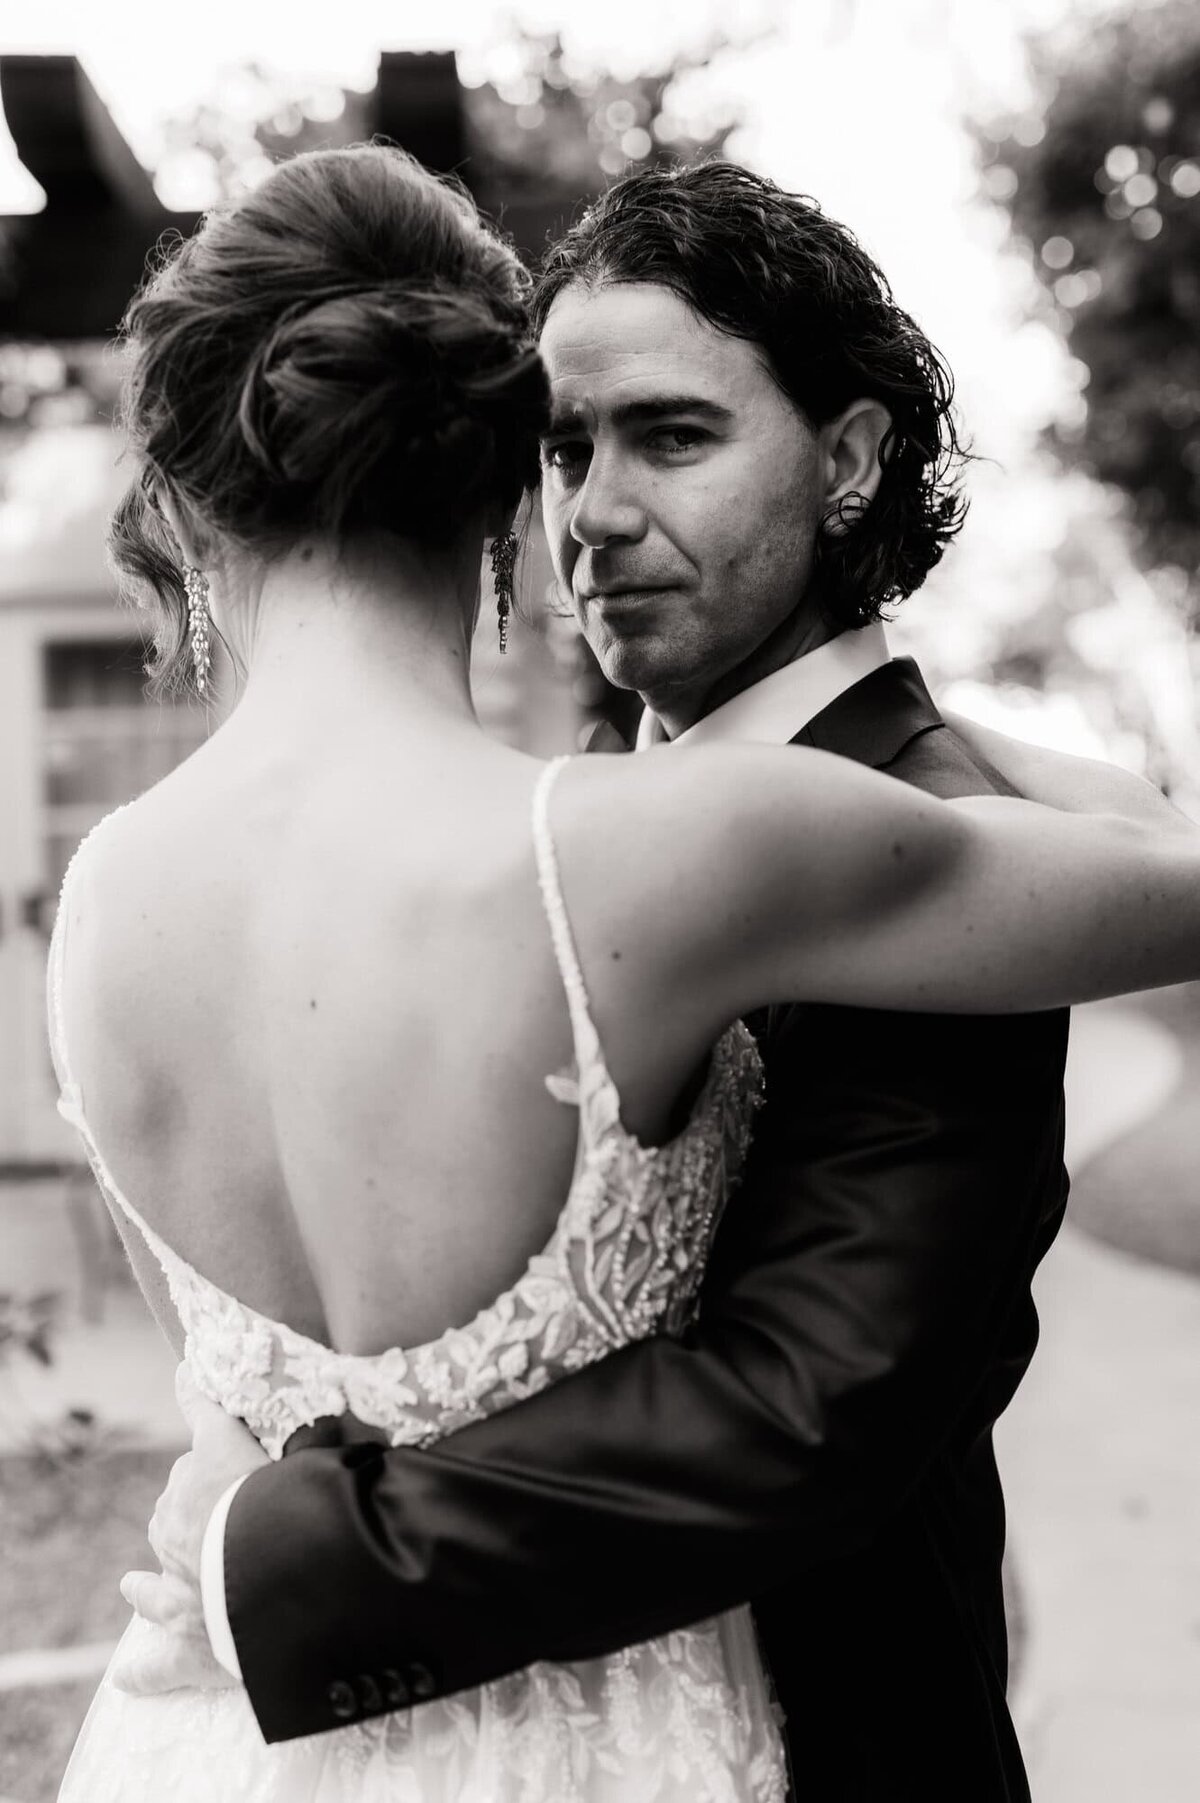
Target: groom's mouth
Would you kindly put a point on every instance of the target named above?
(614, 601)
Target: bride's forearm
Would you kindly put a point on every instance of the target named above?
(878, 896)
(1021, 909)
(1097, 906)
(1073, 785)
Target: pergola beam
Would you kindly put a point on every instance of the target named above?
(66, 138)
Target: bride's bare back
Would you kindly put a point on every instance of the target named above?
(311, 1002)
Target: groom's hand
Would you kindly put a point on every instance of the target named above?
(178, 1654)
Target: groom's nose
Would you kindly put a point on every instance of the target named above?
(607, 506)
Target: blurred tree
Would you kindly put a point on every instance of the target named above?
(544, 131)
(255, 117)
(27, 1325)
(551, 124)
(1104, 184)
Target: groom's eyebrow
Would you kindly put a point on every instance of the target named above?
(643, 412)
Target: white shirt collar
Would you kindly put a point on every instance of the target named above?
(773, 711)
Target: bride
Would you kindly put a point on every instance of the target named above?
(318, 997)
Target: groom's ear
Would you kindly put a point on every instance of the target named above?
(852, 443)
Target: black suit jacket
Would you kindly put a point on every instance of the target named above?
(820, 1441)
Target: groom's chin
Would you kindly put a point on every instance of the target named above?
(637, 661)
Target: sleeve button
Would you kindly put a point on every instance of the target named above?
(395, 1689)
(420, 1682)
(342, 1700)
(368, 1694)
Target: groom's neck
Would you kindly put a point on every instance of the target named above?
(679, 708)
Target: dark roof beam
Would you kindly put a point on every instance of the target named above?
(67, 140)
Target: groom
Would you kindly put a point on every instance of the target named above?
(749, 458)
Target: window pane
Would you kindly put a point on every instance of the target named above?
(94, 673)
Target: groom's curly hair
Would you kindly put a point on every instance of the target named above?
(772, 268)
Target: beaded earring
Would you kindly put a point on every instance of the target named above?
(195, 583)
(504, 557)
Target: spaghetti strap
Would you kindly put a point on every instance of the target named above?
(588, 1055)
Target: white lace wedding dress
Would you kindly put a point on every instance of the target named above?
(686, 1718)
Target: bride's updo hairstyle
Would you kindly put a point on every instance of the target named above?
(344, 351)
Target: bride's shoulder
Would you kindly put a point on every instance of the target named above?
(104, 848)
(682, 853)
(734, 799)
(648, 843)
(138, 870)
(126, 836)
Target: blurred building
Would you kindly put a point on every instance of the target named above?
(77, 737)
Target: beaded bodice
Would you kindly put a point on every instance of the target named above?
(625, 1260)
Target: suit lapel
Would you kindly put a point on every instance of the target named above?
(874, 720)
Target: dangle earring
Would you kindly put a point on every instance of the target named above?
(504, 556)
(196, 584)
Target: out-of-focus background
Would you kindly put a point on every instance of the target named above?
(1028, 174)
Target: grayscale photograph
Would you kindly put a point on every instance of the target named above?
(600, 902)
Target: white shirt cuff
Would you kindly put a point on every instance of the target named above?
(212, 1584)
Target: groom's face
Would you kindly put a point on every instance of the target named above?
(682, 492)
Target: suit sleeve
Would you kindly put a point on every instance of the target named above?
(856, 1301)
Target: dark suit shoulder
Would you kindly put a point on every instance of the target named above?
(939, 762)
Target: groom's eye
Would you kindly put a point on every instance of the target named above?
(675, 440)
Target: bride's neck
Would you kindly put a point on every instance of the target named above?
(384, 625)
